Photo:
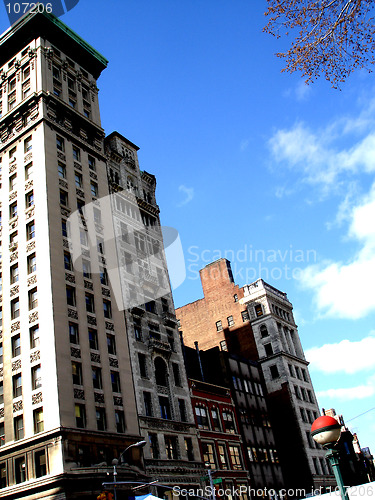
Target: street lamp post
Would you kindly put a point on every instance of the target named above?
(326, 431)
(212, 487)
(116, 462)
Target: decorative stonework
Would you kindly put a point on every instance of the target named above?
(30, 212)
(61, 156)
(99, 228)
(113, 362)
(93, 175)
(95, 358)
(79, 394)
(32, 280)
(91, 320)
(70, 278)
(15, 326)
(85, 252)
(16, 365)
(17, 406)
(29, 184)
(106, 292)
(63, 183)
(77, 165)
(12, 195)
(117, 401)
(99, 397)
(1, 371)
(80, 193)
(2, 412)
(12, 168)
(14, 290)
(66, 244)
(109, 326)
(34, 356)
(30, 246)
(28, 157)
(72, 313)
(88, 285)
(13, 223)
(33, 317)
(13, 256)
(64, 211)
(37, 398)
(75, 352)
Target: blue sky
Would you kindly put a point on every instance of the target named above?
(253, 165)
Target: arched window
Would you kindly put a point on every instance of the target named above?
(263, 331)
(161, 374)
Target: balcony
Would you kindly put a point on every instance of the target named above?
(158, 345)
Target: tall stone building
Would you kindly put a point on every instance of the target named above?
(257, 321)
(68, 404)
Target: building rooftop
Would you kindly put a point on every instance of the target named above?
(41, 24)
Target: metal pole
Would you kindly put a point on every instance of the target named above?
(114, 481)
(211, 484)
(333, 457)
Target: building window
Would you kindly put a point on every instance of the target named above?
(13, 210)
(171, 449)
(234, 453)
(161, 374)
(1, 425)
(68, 265)
(223, 345)
(94, 189)
(60, 144)
(34, 336)
(201, 417)
(245, 316)
(137, 329)
(120, 421)
(91, 161)
(258, 310)
(61, 168)
(90, 303)
(142, 365)
(219, 326)
(93, 339)
(228, 421)
(165, 408)
(111, 344)
(154, 445)
(274, 372)
(31, 263)
(107, 308)
(3, 475)
(28, 171)
(12, 182)
(33, 299)
(77, 373)
(64, 228)
(73, 333)
(215, 420)
(29, 199)
(18, 428)
(15, 308)
(80, 414)
(208, 454)
(63, 198)
(38, 421)
(83, 237)
(97, 377)
(14, 275)
(40, 463)
(176, 374)
(115, 380)
(28, 145)
(103, 275)
(235, 297)
(101, 421)
(268, 349)
(86, 269)
(223, 460)
(100, 245)
(70, 296)
(16, 346)
(151, 307)
(182, 410)
(30, 230)
(147, 401)
(263, 331)
(189, 449)
(78, 180)
(76, 153)
(20, 469)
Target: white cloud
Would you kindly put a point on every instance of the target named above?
(189, 192)
(345, 394)
(335, 284)
(345, 356)
(244, 144)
